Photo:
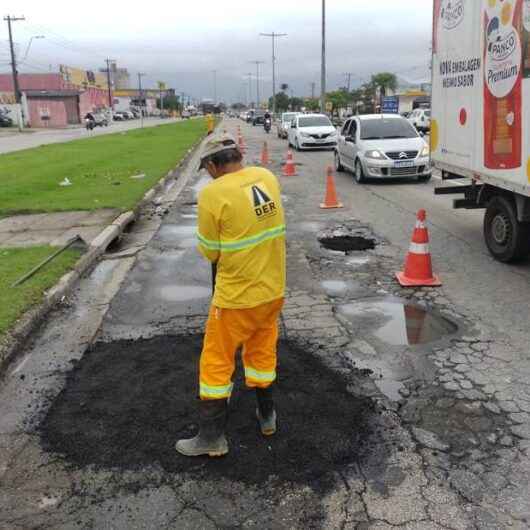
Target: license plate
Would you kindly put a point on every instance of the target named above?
(404, 163)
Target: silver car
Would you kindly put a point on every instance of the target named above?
(285, 122)
(382, 146)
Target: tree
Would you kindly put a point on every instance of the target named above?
(282, 102)
(312, 104)
(386, 82)
(170, 103)
(339, 98)
(296, 103)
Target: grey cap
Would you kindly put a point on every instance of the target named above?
(216, 144)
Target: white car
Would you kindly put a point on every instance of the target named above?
(421, 119)
(309, 131)
(382, 146)
(284, 123)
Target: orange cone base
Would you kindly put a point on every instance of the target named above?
(410, 282)
(328, 206)
(287, 173)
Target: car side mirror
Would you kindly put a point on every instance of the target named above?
(293, 126)
(350, 139)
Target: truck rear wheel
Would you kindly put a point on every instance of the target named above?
(507, 239)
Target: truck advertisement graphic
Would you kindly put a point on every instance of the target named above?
(481, 114)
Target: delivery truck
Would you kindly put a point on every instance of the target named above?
(480, 126)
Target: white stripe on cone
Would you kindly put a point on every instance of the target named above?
(419, 248)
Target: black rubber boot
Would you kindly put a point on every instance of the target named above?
(211, 439)
(265, 411)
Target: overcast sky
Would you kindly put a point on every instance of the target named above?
(182, 42)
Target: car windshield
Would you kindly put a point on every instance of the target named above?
(314, 121)
(288, 117)
(381, 129)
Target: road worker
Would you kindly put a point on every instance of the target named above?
(210, 123)
(241, 229)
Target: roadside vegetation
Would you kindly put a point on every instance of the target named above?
(109, 171)
(14, 263)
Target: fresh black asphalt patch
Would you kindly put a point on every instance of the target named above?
(125, 404)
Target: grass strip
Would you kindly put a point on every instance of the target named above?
(99, 169)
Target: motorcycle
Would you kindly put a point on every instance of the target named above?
(267, 125)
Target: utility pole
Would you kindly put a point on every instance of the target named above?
(273, 38)
(313, 86)
(16, 87)
(109, 83)
(323, 66)
(140, 75)
(249, 88)
(257, 63)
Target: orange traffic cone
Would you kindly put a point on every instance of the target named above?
(289, 169)
(331, 200)
(418, 265)
(265, 155)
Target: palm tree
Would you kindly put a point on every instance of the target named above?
(386, 81)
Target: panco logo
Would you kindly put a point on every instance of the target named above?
(452, 13)
(503, 47)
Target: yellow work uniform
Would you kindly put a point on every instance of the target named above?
(242, 229)
(210, 123)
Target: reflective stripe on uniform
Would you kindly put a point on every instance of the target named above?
(262, 377)
(215, 391)
(244, 243)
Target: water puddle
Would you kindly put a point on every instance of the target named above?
(358, 262)
(383, 377)
(335, 287)
(184, 293)
(347, 243)
(398, 323)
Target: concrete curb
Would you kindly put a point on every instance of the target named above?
(31, 320)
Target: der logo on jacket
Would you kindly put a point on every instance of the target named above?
(264, 206)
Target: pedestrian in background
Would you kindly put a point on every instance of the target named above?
(241, 230)
(210, 123)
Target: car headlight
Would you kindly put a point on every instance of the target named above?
(334, 133)
(305, 135)
(426, 151)
(375, 154)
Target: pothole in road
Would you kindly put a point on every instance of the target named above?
(347, 243)
(397, 322)
(126, 403)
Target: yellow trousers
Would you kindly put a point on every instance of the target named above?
(256, 330)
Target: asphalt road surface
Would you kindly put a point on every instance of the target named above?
(15, 141)
(398, 408)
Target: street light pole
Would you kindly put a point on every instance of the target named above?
(273, 36)
(257, 63)
(249, 88)
(323, 67)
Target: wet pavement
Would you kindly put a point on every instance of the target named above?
(398, 408)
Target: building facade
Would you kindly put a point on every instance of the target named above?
(59, 99)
